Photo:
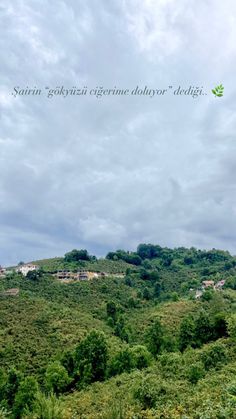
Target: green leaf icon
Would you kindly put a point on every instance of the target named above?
(218, 91)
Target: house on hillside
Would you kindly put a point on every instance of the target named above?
(24, 269)
(78, 276)
(64, 275)
(219, 285)
(208, 284)
(11, 292)
(198, 294)
(87, 275)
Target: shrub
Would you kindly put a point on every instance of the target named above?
(141, 356)
(25, 396)
(48, 407)
(124, 361)
(213, 355)
(4, 414)
(231, 326)
(196, 372)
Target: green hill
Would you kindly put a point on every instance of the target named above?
(134, 347)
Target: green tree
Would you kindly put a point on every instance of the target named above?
(91, 357)
(155, 337)
(56, 378)
(3, 383)
(195, 372)
(231, 326)
(120, 329)
(213, 355)
(122, 362)
(34, 275)
(25, 396)
(13, 381)
(157, 289)
(146, 294)
(187, 333)
(204, 330)
(112, 310)
(77, 255)
(141, 356)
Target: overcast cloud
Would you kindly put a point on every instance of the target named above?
(112, 172)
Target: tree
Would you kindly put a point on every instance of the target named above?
(204, 330)
(157, 289)
(13, 381)
(187, 333)
(231, 326)
(220, 326)
(34, 275)
(25, 396)
(120, 329)
(122, 362)
(196, 372)
(68, 361)
(56, 378)
(128, 281)
(146, 294)
(148, 251)
(112, 310)
(155, 337)
(141, 356)
(91, 357)
(3, 382)
(214, 355)
(77, 255)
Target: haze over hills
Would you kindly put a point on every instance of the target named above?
(152, 335)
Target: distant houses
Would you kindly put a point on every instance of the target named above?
(28, 267)
(11, 292)
(219, 285)
(78, 276)
(209, 285)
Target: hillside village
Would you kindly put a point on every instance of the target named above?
(145, 334)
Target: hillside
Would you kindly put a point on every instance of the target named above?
(138, 347)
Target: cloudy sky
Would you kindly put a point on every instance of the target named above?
(111, 172)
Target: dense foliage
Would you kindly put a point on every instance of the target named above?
(121, 347)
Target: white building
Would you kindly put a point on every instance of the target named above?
(24, 269)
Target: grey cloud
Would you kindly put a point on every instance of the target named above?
(115, 171)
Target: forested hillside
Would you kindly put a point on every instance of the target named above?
(153, 342)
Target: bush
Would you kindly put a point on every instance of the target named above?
(213, 355)
(124, 361)
(187, 333)
(48, 407)
(196, 372)
(231, 326)
(141, 357)
(4, 414)
(152, 391)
